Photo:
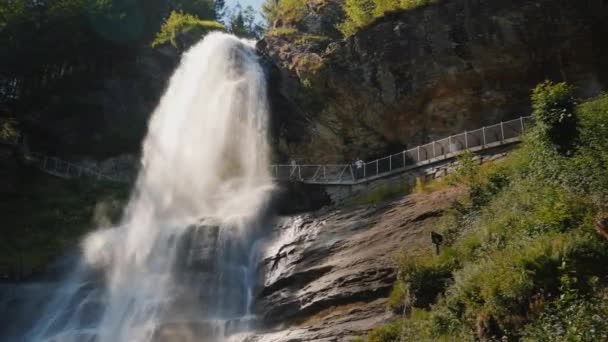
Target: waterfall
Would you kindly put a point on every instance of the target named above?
(178, 267)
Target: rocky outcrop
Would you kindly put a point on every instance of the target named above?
(428, 72)
(327, 274)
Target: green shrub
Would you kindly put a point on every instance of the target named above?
(422, 280)
(387, 333)
(581, 319)
(180, 23)
(553, 109)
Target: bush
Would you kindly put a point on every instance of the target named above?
(422, 280)
(181, 23)
(580, 319)
(386, 333)
(553, 109)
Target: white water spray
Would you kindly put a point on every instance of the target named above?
(205, 162)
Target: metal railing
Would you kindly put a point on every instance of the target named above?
(477, 140)
(69, 170)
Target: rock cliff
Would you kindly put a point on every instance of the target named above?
(424, 73)
(327, 274)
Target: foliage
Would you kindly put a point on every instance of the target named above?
(389, 332)
(359, 13)
(9, 131)
(381, 193)
(573, 319)
(53, 54)
(553, 109)
(288, 11)
(421, 280)
(179, 23)
(521, 258)
(270, 12)
(242, 22)
(37, 226)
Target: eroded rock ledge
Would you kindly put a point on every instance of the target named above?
(327, 274)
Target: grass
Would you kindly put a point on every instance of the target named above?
(360, 13)
(382, 193)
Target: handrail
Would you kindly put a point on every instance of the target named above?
(69, 170)
(476, 140)
(340, 174)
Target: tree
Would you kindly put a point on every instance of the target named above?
(242, 22)
(219, 7)
(270, 12)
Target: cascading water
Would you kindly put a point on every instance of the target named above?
(178, 267)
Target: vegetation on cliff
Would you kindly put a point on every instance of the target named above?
(79, 76)
(525, 251)
(44, 215)
(179, 23)
(360, 13)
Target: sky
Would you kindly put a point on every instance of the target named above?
(244, 3)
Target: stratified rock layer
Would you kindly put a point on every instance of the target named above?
(428, 72)
(327, 275)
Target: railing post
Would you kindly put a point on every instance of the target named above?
(483, 132)
(502, 131)
(299, 172)
(390, 163)
(377, 166)
(434, 154)
(324, 174)
(521, 120)
(352, 173)
(403, 158)
(466, 140)
(418, 148)
(450, 144)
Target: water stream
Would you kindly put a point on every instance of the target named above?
(181, 265)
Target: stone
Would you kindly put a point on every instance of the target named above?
(413, 76)
(327, 274)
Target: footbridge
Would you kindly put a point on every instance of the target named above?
(478, 140)
(485, 138)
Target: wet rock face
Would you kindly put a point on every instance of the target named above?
(327, 275)
(429, 72)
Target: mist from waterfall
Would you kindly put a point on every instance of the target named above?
(203, 187)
